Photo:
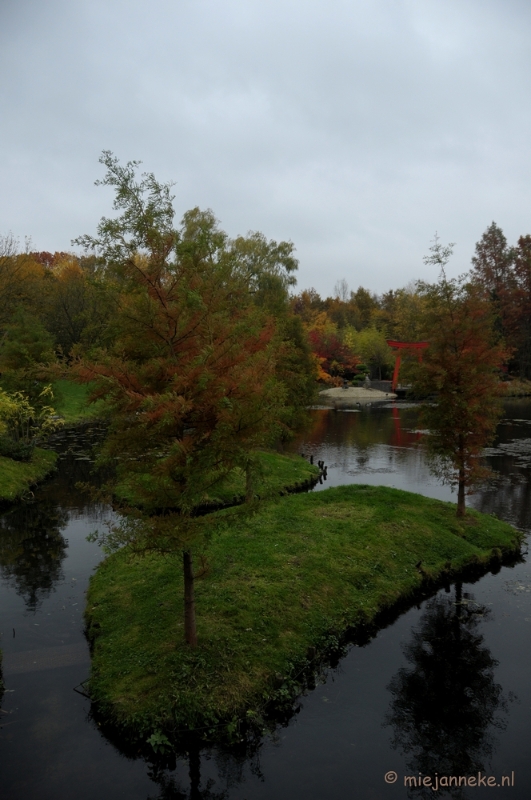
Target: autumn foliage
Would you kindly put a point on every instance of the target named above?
(190, 374)
(461, 372)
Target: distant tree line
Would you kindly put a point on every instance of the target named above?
(60, 305)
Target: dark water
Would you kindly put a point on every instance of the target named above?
(443, 691)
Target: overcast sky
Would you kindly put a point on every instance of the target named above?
(354, 128)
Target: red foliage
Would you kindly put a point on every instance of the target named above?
(335, 357)
(49, 259)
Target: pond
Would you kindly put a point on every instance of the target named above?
(444, 690)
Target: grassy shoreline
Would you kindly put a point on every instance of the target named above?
(281, 586)
(71, 401)
(17, 477)
(282, 473)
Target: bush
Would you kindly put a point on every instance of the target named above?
(18, 451)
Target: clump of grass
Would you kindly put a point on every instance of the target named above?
(279, 584)
(16, 477)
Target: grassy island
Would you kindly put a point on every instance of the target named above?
(280, 585)
(278, 473)
(16, 477)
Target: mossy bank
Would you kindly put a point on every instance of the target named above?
(17, 477)
(279, 585)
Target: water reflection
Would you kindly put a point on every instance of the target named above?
(446, 704)
(382, 444)
(170, 788)
(32, 550)
(448, 690)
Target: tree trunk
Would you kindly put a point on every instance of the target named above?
(249, 485)
(461, 509)
(190, 632)
(458, 610)
(194, 773)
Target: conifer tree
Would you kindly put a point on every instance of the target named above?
(191, 376)
(460, 369)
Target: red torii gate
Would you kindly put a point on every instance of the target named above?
(420, 346)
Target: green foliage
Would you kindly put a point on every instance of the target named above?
(294, 576)
(21, 421)
(159, 742)
(17, 450)
(78, 304)
(371, 345)
(20, 279)
(26, 344)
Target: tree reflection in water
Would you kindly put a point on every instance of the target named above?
(170, 788)
(447, 704)
(230, 766)
(32, 550)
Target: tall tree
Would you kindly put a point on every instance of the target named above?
(76, 303)
(371, 346)
(461, 368)
(191, 375)
(522, 304)
(20, 279)
(491, 264)
(492, 270)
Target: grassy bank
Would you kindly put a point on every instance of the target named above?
(279, 585)
(71, 402)
(16, 477)
(277, 472)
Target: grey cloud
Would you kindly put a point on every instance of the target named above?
(355, 129)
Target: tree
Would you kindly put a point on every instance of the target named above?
(191, 374)
(76, 303)
(371, 345)
(461, 367)
(522, 303)
(20, 276)
(26, 357)
(401, 313)
(492, 262)
(493, 271)
(335, 358)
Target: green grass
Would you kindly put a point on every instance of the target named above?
(279, 584)
(16, 477)
(71, 401)
(278, 472)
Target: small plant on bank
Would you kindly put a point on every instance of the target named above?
(21, 424)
